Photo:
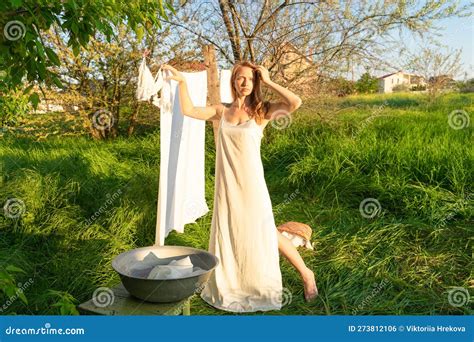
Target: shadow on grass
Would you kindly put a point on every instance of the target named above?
(52, 261)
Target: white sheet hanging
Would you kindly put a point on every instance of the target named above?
(224, 85)
(181, 196)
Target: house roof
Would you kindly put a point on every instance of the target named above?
(396, 72)
(295, 50)
(387, 75)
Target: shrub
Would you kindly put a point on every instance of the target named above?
(14, 105)
(400, 87)
(418, 87)
(467, 86)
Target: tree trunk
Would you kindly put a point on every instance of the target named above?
(233, 36)
(133, 118)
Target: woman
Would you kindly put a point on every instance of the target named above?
(243, 233)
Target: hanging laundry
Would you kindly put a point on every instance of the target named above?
(147, 85)
(181, 196)
(224, 85)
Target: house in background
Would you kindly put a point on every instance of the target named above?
(290, 63)
(389, 81)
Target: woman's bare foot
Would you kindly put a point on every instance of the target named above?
(310, 289)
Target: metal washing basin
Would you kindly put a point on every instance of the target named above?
(164, 290)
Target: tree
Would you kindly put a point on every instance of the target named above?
(466, 86)
(367, 84)
(99, 80)
(438, 66)
(325, 34)
(25, 54)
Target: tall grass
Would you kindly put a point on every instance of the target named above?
(397, 149)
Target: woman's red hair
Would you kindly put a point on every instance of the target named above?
(257, 105)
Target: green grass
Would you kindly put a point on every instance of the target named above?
(318, 170)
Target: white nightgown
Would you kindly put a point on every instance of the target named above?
(243, 233)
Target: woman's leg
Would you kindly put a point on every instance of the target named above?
(286, 247)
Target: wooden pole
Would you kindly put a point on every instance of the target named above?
(213, 90)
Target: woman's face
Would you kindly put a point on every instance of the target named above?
(244, 81)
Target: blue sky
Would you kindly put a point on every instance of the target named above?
(459, 33)
(454, 33)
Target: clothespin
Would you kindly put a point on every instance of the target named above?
(146, 52)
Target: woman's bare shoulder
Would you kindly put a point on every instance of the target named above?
(219, 110)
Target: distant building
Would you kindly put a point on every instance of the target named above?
(389, 81)
(290, 62)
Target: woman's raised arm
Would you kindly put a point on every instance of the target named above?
(290, 101)
(210, 113)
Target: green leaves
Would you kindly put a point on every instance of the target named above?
(16, 3)
(40, 50)
(66, 302)
(14, 269)
(8, 283)
(34, 99)
(79, 20)
(14, 104)
(57, 81)
(52, 56)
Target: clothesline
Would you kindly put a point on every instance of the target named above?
(148, 85)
